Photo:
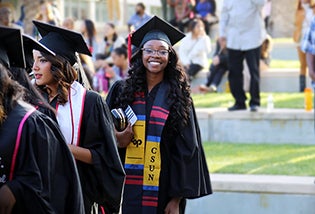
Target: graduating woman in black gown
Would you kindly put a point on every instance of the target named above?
(37, 170)
(162, 152)
(83, 117)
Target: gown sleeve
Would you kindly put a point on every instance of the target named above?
(38, 178)
(114, 91)
(103, 181)
(189, 175)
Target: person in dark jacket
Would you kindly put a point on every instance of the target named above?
(218, 68)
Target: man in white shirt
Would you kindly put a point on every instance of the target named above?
(242, 27)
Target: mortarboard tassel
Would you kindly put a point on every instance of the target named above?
(129, 46)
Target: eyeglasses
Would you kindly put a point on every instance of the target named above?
(148, 51)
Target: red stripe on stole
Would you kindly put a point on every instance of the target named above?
(158, 114)
(149, 204)
(161, 109)
(150, 198)
(138, 102)
(134, 182)
(156, 123)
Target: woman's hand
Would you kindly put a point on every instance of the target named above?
(81, 154)
(172, 206)
(124, 137)
(7, 200)
(216, 60)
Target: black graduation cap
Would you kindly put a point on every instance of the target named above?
(158, 29)
(11, 47)
(62, 41)
(29, 44)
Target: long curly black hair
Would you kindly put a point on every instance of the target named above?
(179, 95)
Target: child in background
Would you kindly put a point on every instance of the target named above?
(108, 72)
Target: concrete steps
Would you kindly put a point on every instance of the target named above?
(289, 126)
(272, 80)
(259, 194)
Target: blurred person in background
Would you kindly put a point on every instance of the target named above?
(303, 17)
(206, 10)
(242, 28)
(7, 16)
(68, 23)
(183, 12)
(120, 63)
(139, 18)
(44, 14)
(88, 31)
(194, 49)
(266, 13)
(110, 41)
(86, 61)
(218, 68)
(108, 72)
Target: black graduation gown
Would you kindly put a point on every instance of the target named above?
(45, 178)
(184, 172)
(103, 181)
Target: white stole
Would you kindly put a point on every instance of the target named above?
(69, 115)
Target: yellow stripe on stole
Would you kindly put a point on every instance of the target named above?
(152, 165)
(135, 150)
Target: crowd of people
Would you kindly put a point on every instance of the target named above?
(62, 148)
(92, 124)
(106, 123)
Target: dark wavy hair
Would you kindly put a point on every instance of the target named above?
(10, 92)
(63, 73)
(115, 36)
(121, 51)
(179, 95)
(90, 30)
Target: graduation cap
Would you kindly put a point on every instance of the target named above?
(29, 45)
(156, 29)
(11, 47)
(62, 41)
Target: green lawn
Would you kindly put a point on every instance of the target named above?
(297, 160)
(281, 100)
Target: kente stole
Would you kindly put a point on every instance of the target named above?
(143, 159)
